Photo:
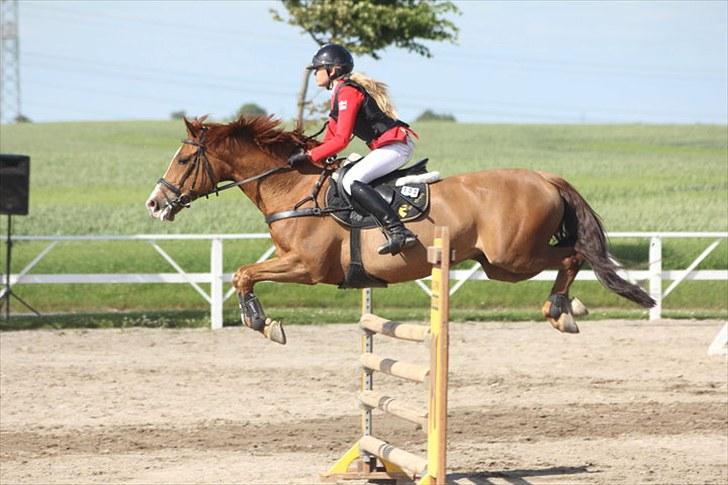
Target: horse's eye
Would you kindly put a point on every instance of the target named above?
(183, 160)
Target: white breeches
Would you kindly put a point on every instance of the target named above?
(379, 162)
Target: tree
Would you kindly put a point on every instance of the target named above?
(177, 115)
(429, 115)
(367, 27)
(250, 109)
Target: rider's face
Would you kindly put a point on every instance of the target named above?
(322, 77)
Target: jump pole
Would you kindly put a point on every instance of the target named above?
(371, 458)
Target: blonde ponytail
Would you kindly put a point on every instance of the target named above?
(378, 91)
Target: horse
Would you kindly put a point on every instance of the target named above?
(514, 222)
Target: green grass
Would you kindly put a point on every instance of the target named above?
(93, 178)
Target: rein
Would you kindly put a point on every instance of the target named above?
(316, 210)
(200, 161)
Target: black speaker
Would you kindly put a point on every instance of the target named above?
(14, 184)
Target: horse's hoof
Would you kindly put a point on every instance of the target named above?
(565, 324)
(273, 330)
(578, 309)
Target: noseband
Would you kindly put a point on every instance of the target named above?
(200, 162)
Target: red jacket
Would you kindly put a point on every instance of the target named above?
(339, 134)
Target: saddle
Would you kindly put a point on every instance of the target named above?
(410, 201)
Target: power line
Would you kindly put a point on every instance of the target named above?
(199, 31)
(520, 63)
(156, 79)
(48, 60)
(123, 71)
(155, 99)
(468, 103)
(487, 107)
(65, 110)
(590, 67)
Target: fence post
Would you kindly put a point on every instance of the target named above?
(656, 276)
(216, 292)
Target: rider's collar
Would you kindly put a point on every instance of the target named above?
(336, 83)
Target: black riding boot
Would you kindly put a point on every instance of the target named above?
(399, 236)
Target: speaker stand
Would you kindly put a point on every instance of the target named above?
(8, 292)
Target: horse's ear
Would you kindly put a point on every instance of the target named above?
(193, 127)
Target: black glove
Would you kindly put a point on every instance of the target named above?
(299, 157)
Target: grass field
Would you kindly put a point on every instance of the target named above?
(93, 178)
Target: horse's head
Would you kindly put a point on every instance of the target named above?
(245, 151)
(189, 175)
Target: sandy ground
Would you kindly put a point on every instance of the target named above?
(622, 402)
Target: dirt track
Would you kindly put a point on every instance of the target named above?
(623, 402)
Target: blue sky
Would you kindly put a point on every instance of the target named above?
(515, 62)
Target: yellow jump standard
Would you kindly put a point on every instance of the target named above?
(371, 458)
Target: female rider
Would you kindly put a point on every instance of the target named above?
(361, 106)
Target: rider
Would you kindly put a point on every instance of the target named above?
(361, 106)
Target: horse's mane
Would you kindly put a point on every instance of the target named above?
(265, 131)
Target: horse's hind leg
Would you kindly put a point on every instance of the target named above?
(558, 309)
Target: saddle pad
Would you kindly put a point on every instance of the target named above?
(410, 202)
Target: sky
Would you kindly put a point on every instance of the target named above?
(514, 62)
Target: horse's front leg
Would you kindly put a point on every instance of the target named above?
(287, 269)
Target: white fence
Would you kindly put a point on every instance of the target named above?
(216, 278)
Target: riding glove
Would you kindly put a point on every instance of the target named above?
(299, 157)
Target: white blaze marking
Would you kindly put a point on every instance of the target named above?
(158, 196)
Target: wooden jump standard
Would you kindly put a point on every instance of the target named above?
(371, 458)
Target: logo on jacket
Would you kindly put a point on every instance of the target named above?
(342, 105)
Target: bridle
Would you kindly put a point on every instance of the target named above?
(198, 164)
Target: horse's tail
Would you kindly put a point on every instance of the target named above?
(582, 226)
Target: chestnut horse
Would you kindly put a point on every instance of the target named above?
(514, 222)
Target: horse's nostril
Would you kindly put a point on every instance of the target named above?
(152, 204)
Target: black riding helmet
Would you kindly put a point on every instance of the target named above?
(333, 55)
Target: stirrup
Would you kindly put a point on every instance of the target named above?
(397, 242)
